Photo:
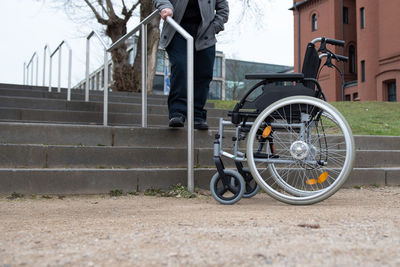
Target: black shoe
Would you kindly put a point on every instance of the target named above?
(177, 121)
(200, 125)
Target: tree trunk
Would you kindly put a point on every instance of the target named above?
(122, 71)
(153, 37)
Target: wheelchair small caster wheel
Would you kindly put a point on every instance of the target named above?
(230, 191)
(251, 187)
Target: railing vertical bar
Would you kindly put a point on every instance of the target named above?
(37, 70)
(59, 69)
(44, 66)
(23, 78)
(69, 75)
(105, 104)
(50, 70)
(144, 75)
(190, 114)
(31, 73)
(87, 70)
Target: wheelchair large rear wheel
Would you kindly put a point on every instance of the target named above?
(300, 150)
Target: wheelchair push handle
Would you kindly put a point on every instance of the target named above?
(324, 41)
(335, 56)
(334, 42)
(342, 58)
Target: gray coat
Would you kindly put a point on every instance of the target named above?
(214, 14)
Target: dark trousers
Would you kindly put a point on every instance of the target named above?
(203, 74)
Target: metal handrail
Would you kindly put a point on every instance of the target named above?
(105, 87)
(35, 54)
(58, 49)
(190, 114)
(46, 48)
(143, 27)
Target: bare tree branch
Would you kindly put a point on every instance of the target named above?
(99, 18)
(129, 14)
(111, 9)
(103, 8)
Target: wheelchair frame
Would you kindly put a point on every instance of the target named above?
(240, 120)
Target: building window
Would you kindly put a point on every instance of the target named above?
(363, 71)
(352, 59)
(314, 22)
(160, 67)
(217, 70)
(347, 98)
(215, 90)
(345, 15)
(362, 17)
(391, 87)
(355, 96)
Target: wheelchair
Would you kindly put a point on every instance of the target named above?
(287, 140)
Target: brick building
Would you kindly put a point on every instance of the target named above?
(371, 29)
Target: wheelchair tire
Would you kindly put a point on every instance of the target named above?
(314, 150)
(251, 186)
(230, 193)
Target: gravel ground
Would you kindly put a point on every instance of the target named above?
(356, 227)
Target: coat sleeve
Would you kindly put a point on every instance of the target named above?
(221, 15)
(161, 4)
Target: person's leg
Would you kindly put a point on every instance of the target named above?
(203, 74)
(177, 96)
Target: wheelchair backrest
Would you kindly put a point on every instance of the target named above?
(311, 65)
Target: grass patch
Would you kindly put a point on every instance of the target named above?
(364, 118)
(116, 193)
(178, 191)
(15, 195)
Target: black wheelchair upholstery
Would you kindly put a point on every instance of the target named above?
(305, 84)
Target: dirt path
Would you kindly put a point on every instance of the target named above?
(354, 227)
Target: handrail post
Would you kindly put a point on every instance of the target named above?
(23, 78)
(190, 93)
(87, 70)
(37, 70)
(190, 101)
(144, 75)
(50, 70)
(105, 88)
(105, 69)
(59, 69)
(46, 47)
(31, 73)
(69, 74)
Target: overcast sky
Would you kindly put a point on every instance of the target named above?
(28, 25)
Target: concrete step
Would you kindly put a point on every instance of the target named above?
(84, 117)
(101, 156)
(79, 95)
(58, 104)
(95, 181)
(49, 156)
(92, 135)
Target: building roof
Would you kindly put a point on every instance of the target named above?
(298, 4)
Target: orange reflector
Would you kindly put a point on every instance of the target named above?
(322, 177)
(266, 131)
(311, 181)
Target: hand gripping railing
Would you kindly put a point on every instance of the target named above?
(58, 49)
(189, 39)
(105, 87)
